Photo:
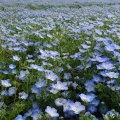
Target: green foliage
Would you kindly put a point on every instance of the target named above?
(44, 117)
(110, 97)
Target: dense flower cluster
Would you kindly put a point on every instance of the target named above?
(59, 61)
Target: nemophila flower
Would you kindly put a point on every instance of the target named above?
(117, 47)
(112, 74)
(22, 49)
(96, 78)
(11, 91)
(40, 83)
(51, 111)
(60, 70)
(68, 66)
(16, 58)
(5, 72)
(87, 98)
(96, 102)
(87, 114)
(51, 76)
(60, 101)
(103, 108)
(23, 95)
(1, 71)
(92, 108)
(76, 56)
(67, 76)
(77, 107)
(52, 90)
(33, 66)
(36, 110)
(82, 50)
(6, 83)
(29, 56)
(28, 113)
(80, 67)
(14, 71)
(1, 104)
(109, 47)
(90, 88)
(106, 65)
(23, 74)
(36, 90)
(116, 54)
(4, 92)
(115, 88)
(60, 85)
(36, 67)
(66, 105)
(89, 64)
(19, 117)
(35, 115)
(46, 63)
(89, 82)
(85, 46)
(100, 58)
(74, 85)
(110, 82)
(11, 66)
(77, 36)
(98, 32)
(103, 73)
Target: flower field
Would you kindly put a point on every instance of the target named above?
(59, 60)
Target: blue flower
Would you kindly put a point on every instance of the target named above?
(112, 74)
(60, 101)
(11, 91)
(96, 102)
(89, 82)
(16, 58)
(1, 104)
(92, 108)
(108, 65)
(51, 76)
(36, 90)
(19, 117)
(96, 78)
(87, 98)
(14, 71)
(67, 76)
(35, 115)
(6, 83)
(51, 111)
(77, 107)
(11, 66)
(23, 95)
(4, 92)
(6, 72)
(40, 83)
(60, 86)
(90, 88)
